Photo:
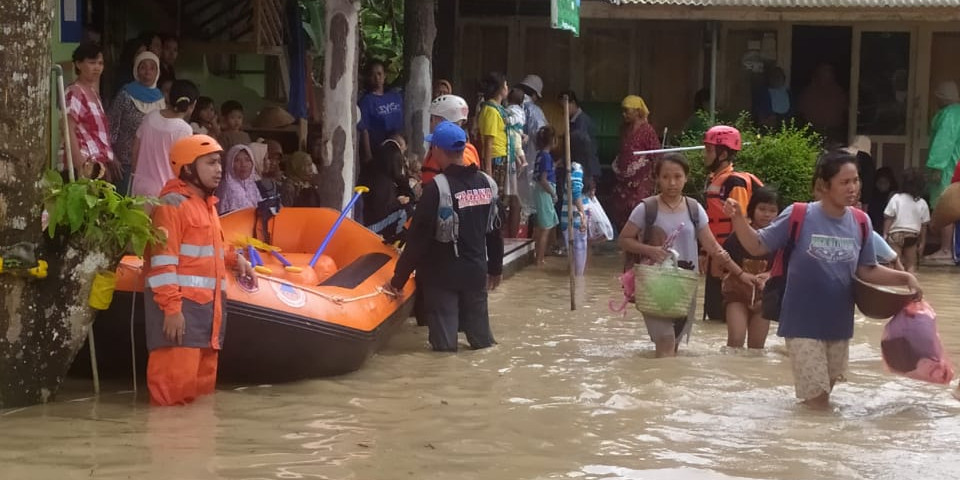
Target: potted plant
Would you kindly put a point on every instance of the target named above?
(93, 226)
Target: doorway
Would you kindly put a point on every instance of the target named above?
(817, 48)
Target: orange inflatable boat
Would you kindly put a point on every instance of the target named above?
(296, 322)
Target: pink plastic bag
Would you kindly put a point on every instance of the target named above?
(912, 347)
(628, 286)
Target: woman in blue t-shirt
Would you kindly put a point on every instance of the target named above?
(829, 251)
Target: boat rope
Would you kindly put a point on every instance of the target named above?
(337, 299)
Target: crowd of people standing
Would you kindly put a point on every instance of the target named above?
(488, 170)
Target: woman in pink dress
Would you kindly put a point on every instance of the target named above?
(634, 172)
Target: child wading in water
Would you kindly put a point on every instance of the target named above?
(831, 247)
(905, 220)
(742, 295)
(545, 192)
(674, 218)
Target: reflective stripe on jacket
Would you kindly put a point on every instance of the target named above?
(186, 273)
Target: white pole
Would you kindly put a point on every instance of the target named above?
(667, 150)
(674, 149)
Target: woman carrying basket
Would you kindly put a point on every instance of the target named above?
(664, 226)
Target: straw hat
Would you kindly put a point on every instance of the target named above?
(273, 117)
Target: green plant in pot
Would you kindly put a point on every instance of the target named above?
(93, 226)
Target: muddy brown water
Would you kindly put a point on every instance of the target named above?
(566, 395)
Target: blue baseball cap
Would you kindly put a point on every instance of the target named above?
(448, 136)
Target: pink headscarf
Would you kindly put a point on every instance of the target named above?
(236, 194)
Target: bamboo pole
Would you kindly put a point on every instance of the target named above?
(566, 155)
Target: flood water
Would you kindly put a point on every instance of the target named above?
(564, 396)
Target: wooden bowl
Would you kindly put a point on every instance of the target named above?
(880, 301)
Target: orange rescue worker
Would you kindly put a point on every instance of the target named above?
(452, 109)
(721, 144)
(186, 277)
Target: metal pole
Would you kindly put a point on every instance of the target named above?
(573, 287)
(667, 150)
(713, 73)
(93, 361)
(675, 149)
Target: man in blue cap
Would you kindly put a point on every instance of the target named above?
(455, 246)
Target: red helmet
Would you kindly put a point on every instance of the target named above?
(724, 135)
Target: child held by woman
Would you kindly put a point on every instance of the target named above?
(742, 294)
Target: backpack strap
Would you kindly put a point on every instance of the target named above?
(782, 258)
(694, 211)
(864, 221)
(651, 208)
(493, 217)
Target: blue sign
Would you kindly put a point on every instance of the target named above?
(71, 21)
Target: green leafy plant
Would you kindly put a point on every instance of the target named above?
(105, 220)
(381, 30)
(783, 158)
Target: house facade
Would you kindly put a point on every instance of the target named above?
(888, 57)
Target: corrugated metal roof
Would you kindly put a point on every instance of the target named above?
(885, 4)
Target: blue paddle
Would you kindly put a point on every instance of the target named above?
(359, 190)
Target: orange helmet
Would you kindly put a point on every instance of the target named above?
(187, 150)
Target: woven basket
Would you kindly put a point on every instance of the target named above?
(665, 290)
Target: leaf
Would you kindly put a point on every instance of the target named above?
(53, 180)
(76, 207)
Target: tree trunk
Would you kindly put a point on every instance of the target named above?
(419, 33)
(338, 144)
(40, 333)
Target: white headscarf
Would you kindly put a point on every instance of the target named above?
(146, 98)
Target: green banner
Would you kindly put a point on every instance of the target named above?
(565, 15)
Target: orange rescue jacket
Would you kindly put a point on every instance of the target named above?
(723, 185)
(430, 168)
(187, 272)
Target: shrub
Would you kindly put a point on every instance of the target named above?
(783, 158)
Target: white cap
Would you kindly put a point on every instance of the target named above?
(450, 108)
(535, 83)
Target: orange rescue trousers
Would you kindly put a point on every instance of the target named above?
(178, 375)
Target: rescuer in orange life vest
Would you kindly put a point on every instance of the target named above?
(721, 144)
(186, 277)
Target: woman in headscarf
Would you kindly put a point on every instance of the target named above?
(299, 188)
(238, 189)
(132, 103)
(634, 172)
